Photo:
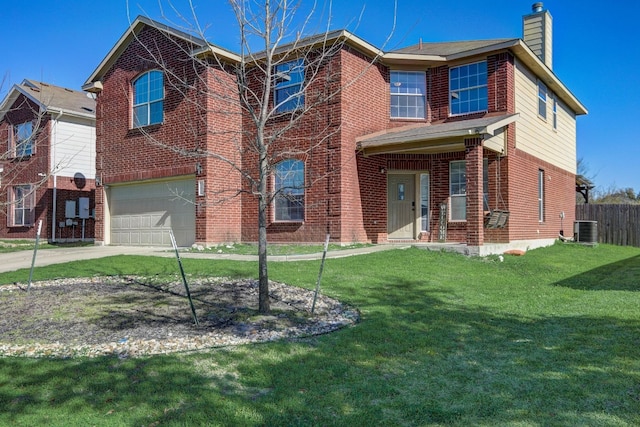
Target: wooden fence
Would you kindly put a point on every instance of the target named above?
(617, 224)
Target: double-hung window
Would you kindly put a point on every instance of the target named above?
(22, 203)
(542, 100)
(458, 189)
(289, 82)
(408, 94)
(289, 189)
(21, 140)
(468, 88)
(148, 99)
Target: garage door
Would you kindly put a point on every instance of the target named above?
(143, 214)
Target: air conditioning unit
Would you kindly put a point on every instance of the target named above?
(585, 232)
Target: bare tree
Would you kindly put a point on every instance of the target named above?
(21, 131)
(276, 50)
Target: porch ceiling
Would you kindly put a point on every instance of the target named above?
(433, 138)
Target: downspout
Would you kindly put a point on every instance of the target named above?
(54, 142)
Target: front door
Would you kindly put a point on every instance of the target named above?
(401, 206)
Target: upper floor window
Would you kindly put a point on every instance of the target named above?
(289, 80)
(22, 203)
(21, 140)
(289, 188)
(542, 100)
(148, 99)
(468, 88)
(555, 112)
(408, 89)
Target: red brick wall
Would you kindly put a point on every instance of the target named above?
(199, 127)
(346, 196)
(559, 196)
(26, 170)
(29, 170)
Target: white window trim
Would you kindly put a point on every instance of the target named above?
(543, 95)
(451, 92)
(541, 177)
(14, 142)
(426, 199)
(451, 196)
(281, 85)
(148, 102)
(28, 206)
(485, 188)
(279, 194)
(423, 76)
(555, 112)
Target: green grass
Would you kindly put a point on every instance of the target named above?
(548, 339)
(275, 248)
(11, 245)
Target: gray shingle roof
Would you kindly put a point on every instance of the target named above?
(437, 131)
(58, 98)
(448, 48)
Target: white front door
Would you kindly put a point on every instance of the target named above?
(401, 206)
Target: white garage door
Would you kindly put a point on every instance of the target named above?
(143, 214)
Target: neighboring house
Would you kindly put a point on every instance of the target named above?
(469, 142)
(47, 163)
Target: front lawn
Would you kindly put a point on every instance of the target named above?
(550, 338)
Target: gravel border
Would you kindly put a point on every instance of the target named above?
(291, 306)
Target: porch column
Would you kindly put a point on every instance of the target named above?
(475, 219)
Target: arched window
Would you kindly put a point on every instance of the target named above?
(148, 97)
(289, 187)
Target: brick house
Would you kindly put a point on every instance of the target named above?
(47, 165)
(463, 142)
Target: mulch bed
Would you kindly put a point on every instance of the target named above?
(139, 316)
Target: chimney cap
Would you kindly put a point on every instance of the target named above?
(537, 7)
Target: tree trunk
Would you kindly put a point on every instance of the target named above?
(263, 275)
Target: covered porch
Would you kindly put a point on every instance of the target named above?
(429, 201)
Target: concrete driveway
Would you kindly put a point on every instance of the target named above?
(22, 259)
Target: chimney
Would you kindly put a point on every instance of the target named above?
(537, 33)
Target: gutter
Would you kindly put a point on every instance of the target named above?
(54, 141)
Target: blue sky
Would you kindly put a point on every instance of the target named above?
(595, 51)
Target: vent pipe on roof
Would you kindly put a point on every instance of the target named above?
(537, 33)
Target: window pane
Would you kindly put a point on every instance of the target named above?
(156, 88)
(424, 202)
(288, 85)
(468, 88)
(408, 89)
(155, 112)
(141, 89)
(458, 208)
(140, 115)
(147, 99)
(289, 183)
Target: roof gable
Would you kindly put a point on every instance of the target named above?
(93, 83)
(50, 98)
(421, 54)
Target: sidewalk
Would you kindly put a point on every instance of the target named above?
(22, 259)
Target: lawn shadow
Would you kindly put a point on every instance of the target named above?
(418, 357)
(421, 355)
(618, 276)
